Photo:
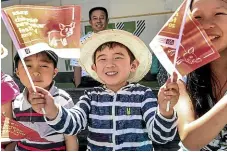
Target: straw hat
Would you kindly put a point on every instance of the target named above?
(4, 52)
(135, 45)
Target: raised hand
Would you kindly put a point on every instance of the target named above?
(43, 99)
(168, 92)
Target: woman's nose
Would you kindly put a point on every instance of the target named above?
(207, 24)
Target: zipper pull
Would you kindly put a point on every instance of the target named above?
(128, 111)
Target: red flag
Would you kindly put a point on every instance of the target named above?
(13, 130)
(195, 48)
(37, 28)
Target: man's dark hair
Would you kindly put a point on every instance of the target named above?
(98, 8)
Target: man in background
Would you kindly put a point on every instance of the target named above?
(98, 19)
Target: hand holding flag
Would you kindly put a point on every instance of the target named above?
(182, 45)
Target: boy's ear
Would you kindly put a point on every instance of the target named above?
(55, 72)
(134, 65)
(17, 73)
(94, 68)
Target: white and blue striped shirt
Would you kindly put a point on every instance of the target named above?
(126, 120)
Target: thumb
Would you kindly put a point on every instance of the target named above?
(42, 91)
(174, 77)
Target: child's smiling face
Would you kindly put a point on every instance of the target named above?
(212, 15)
(113, 65)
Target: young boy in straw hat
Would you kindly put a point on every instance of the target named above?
(122, 114)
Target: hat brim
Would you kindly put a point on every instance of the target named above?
(49, 53)
(135, 45)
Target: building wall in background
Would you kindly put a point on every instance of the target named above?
(144, 18)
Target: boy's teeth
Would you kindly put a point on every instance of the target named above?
(111, 73)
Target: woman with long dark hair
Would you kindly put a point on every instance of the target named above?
(202, 109)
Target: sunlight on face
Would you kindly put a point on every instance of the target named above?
(98, 20)
(213, 21)
(113, 66)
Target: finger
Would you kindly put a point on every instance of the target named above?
(36, 95)
(167, 82)
(174, 77)
(37, 101)
(38, 108)
(167, 98)
(41, 106)
(171, 93)
(30, 90)
(161, 90)
(42, 91)
(172, 86)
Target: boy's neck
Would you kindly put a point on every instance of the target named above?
(116, 88)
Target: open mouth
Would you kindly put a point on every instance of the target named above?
(112, 73)
(214, 37)
(99, 26)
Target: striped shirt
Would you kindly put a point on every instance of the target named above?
(24, 114)
(126, 120)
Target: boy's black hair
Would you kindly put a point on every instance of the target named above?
(111, 45)
(98, 8)
(52, 56)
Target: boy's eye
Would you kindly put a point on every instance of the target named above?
(28, 66)
(220, 13)
(43, 66)
(118, 57)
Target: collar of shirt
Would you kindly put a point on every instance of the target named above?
(26, 104)
(85, 37)
(130, 85)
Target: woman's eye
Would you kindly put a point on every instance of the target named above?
(197, 17)
(29, 66)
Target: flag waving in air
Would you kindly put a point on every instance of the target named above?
(190, 47)
(37, 28)
(13, 130)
